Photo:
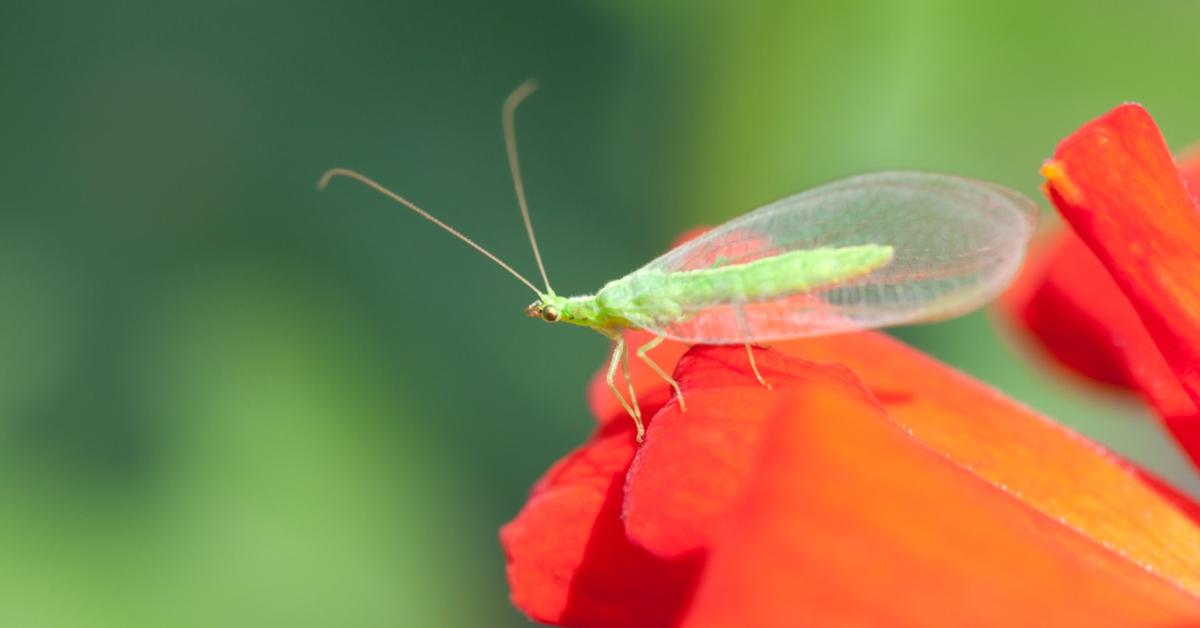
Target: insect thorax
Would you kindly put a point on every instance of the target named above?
(583, 310)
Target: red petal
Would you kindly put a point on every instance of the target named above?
(850, 521)
(1070, 303)
(691, 469)
(694, 463)
(1067, 300)
(1116, 183)
(1024, 517)
(1051, 468)
(1075, 309)
(962, 508)
(569, 562)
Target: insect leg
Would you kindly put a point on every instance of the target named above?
(618, 351)
(754, 367)
(745, 325)
(637, 410)
(641, 353)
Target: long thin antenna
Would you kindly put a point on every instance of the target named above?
(343, 172)
(510, 142)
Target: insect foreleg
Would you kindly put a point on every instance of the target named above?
(617, 354)
(641, 353)
(637, 410)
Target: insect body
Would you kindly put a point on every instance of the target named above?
(664, 298)
(864, 252)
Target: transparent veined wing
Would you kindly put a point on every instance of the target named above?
(956, 244)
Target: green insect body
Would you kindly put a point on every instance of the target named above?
(668, 298)
(869, 251)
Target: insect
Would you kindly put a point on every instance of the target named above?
(864, 252)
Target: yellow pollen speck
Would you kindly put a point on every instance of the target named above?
(1056, 178)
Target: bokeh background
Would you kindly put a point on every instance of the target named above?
(227, 399)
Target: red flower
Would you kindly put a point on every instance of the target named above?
(1118, 299)
(915, 496)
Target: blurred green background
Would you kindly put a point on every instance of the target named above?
(227, 399)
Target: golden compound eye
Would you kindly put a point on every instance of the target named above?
(550, 313)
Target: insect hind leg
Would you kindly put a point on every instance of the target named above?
(754, 367)
(641, 354)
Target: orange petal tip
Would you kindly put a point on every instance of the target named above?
(1056, 177)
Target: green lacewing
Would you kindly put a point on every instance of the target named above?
(864, 252)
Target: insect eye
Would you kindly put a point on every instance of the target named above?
(550, 314)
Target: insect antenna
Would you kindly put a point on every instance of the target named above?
(514, 99)
(344, 172)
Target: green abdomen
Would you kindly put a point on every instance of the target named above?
(666, 297)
